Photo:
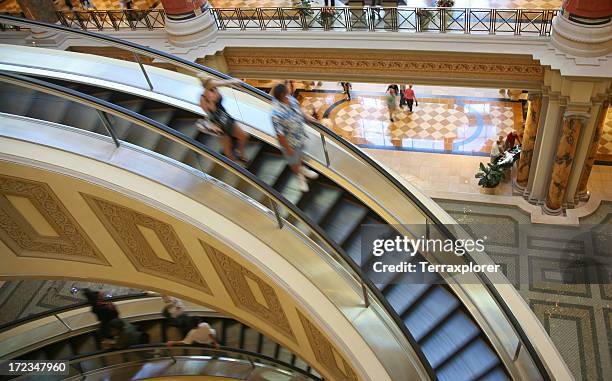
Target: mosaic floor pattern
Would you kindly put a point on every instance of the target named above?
(576, 316)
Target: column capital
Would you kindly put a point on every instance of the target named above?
(569, 115)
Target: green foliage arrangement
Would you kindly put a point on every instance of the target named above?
(490, 176)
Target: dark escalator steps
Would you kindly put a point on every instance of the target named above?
(85, 117)
(269, 167)
(249, 339)
(343, 219)
(232, 334)
(84, 344)
(401, 296)
(121, 125)
(320, 200)
(435, 305)
(58, 351)
(448, 339)
(474, 361)
(288, 186)
(48, 107)
(145, 138)
(352, 245)
(495, 374)
(173, 149)
(15, 99)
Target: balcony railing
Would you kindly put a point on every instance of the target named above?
(526, 22)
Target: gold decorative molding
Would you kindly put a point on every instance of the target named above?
(123, 225)
(326, 354)
(375, 62)
(66, 240)
(236, 279)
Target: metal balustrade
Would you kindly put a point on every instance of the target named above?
(524, 22)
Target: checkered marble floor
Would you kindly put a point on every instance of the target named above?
(460, 125)
(605, 144)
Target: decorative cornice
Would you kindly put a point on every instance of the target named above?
(347, 61)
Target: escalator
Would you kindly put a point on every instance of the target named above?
(232, 336)
(433, 318)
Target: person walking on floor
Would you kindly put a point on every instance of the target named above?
(288, 120)
(211, 102)
(391, 102)
(346, 89)
(410, 98)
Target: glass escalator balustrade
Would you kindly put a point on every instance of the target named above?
(429, 311)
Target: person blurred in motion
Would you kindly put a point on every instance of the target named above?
(232, 135)
(201, 334)
(288, 120)
(124, 334)
(174, 311)
(391, 102)
(104, 310)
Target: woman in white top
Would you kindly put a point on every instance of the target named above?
(497, 148)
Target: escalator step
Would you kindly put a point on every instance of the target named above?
(496, 374)
(430, 310)
(352, 246)
(472, 362)
(449, 338)
(15, 100)
(84, 117)
(320, 201)
(173, 149)
(343, 219)
(402, 295)
(251, 338)
(288, 187)
(48, 107)
(58, 351)
(269, 167)
(232, 334)
(144, 137)
(120, 125)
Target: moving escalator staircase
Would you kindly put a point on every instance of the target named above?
(230, 334)
(434, 319)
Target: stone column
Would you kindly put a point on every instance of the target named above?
(590, 160)
(543, 162)
(564, 157)
(188, 21)
(528, 139)
(41, 10)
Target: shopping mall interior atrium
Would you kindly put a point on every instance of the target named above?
(306, 190)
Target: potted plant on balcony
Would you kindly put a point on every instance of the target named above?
(490, 177)
(327, 17)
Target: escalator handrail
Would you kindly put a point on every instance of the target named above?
(58, 310)
(356, 152)
(241, 172)
(203, 347)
